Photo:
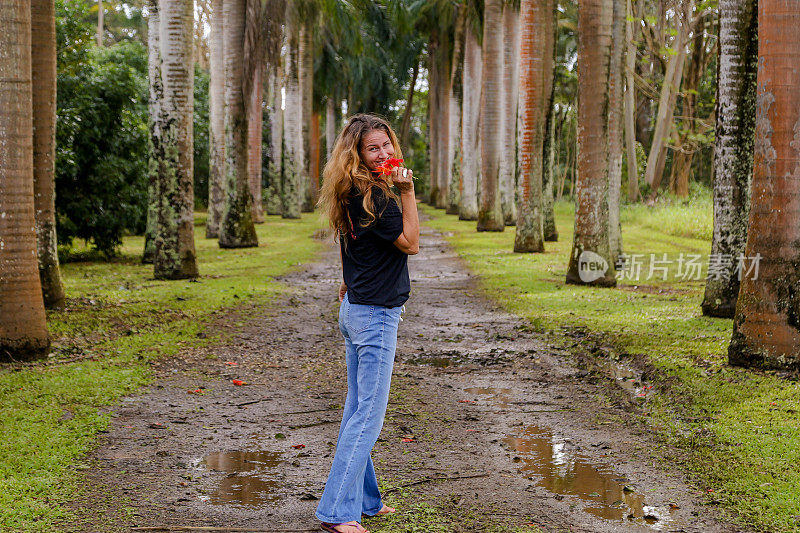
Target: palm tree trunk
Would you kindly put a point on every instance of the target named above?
(490, 215)
(434, 114)
(100, 24)
(454, 123)
(615, 139)
(311, 184)
(470, 146)
(590, 260)
(405, 126)
(43, 75)
(550, 147)
(535, 88)
(23, 332)
(508, 162)
(765, 327)
(237, 229)
(216, 138)
(330, 127)
(154, 119)
(255, 123)
(443, 126)
(293, 171)
(174, 243)
(733, 162)
(630, 107)
(275, 170)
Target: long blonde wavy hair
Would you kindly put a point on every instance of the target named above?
(346, 171)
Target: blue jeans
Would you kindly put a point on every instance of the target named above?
(370, 338)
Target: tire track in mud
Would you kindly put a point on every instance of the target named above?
(521, 433)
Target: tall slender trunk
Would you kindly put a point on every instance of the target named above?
(733, 161)
(630, 107)
(311, 185)
(615, 139)
(510, 96)
(43, 75)
(216, 137)
(535, 89)
(666, 106)
(405, 126)
(443, 126)
(490, 215)
(470, 123)
(237, 228)
(255, 123)
(294, 175)
(766, 331)
(23, 332)
(590, 260)
(454, 123)
(174, 240)
(330, 127)
(154, 120)
(549, 153)
(100, 24)
(314, 146)
(275, 170)
(434, 113)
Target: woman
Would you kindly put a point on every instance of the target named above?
(376, 239)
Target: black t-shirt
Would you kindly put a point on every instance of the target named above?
(375, 270)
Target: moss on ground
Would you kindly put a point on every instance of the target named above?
(739, 429)
(118, 318)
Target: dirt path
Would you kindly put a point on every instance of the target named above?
(524, 434)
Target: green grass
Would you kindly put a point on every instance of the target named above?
(740, 429)
(117, 319)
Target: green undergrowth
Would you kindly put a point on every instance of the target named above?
(738, 430)
(117, 319)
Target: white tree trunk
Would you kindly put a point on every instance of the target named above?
(470, 147)
(174, 243)
(615, 139)
(306, 69)
(330, 126)
(294, 158)
(216, 126)
(275, 171)
(510, 95)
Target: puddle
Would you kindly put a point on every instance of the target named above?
(553, 463)
(500, 396)
(627, 378)
(246, 482)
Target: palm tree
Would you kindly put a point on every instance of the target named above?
(733, 163)
(536, 82)
(470, 123)
(490, 215)
(590, 248)
(510, 97)
(274, 15)
(630, 106)
(153, 124)
(615, 139)
(175, 256)
(43, 75)
(23, 332)
(307, 9)
(255, 122)
(454, 117)
(216, 119)
(237, 229)
(294, 172)
(765, 327)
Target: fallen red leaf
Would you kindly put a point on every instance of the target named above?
(196, 391)
(238, 382)
(466, 401)
(298, 446)
(232, 363)
(406, 439)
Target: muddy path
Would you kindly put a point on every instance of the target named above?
(487, 423)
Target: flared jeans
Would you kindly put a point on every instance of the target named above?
(370, 337)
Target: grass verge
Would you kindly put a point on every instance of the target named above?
(739, 429)
(117, 319)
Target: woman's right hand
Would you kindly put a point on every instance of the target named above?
(403, 179)
(342, 291)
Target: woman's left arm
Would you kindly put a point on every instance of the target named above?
(408, 241)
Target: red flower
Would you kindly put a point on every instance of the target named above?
(394, 162)
(387, 166)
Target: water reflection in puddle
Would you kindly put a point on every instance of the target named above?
(553, 463)
(245, 483)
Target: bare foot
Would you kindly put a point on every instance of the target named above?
(351, 527)
(386, 510)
